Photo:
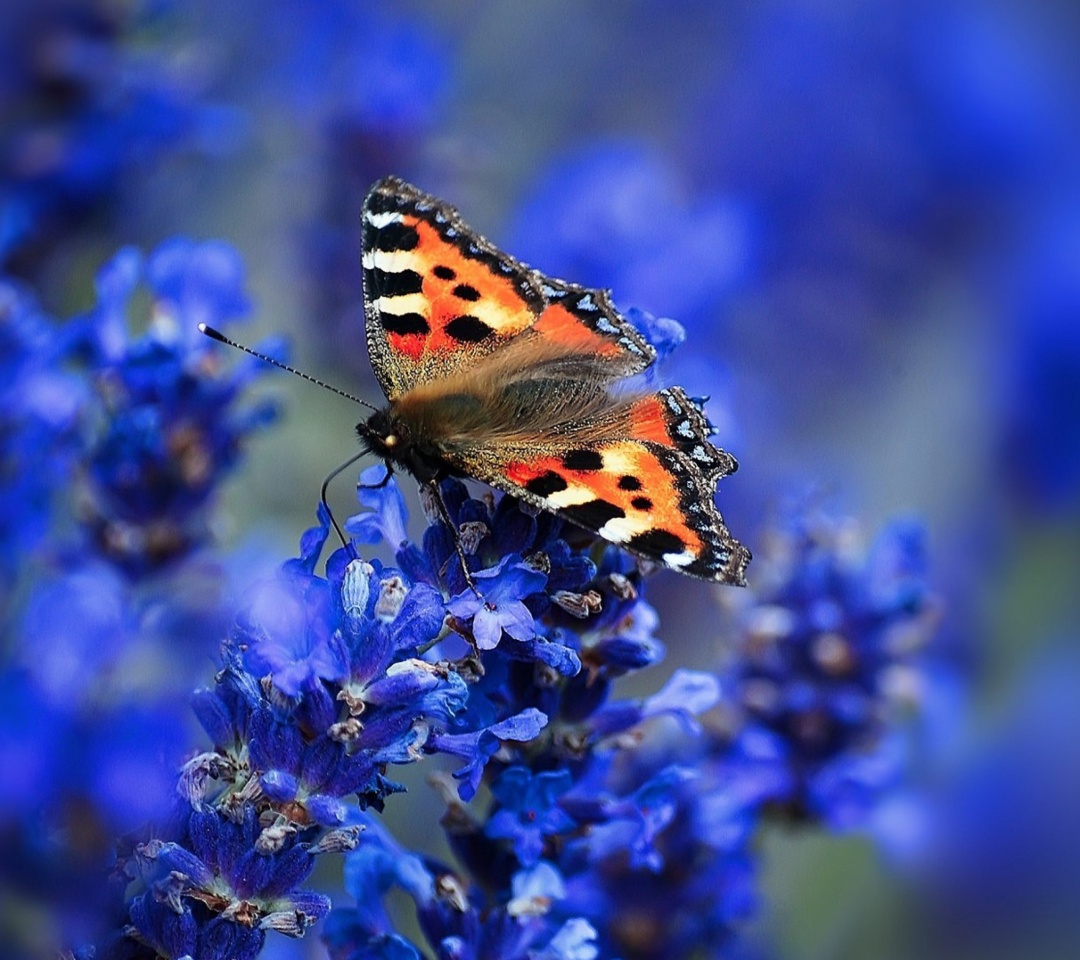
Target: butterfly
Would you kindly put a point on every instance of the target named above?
(497, 372)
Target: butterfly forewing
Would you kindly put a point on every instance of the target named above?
(437, 295)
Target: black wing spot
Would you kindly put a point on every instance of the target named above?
(468, 329)
(655, 543)
(396, 236)
(465, 292)
(627, 482)
(379, 202)
(641, 503)
(396, 283)
(404, 323)
(583, 460)
(444, 272)
(546, 484)
(594, 514)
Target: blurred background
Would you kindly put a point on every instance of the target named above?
(867, 218)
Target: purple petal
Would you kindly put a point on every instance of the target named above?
(516, 620)
(487, 628)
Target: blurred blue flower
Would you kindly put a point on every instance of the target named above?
(528, 810)
(616, 215)
(671, 873)
(1000, 863)
(90, 110)
(290, 635)
(41, 410)
(170, 426)
(195, 283)
(832, 640)
(1039, 447)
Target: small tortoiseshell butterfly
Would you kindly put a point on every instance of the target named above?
(496, 372)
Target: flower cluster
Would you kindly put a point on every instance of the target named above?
(168, 424)
(828, 657)
(93, 109)
(581, 802)
(117, 443)
(624, 828)
(326, 681)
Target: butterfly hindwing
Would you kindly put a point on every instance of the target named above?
(670, 418)
(643, 491)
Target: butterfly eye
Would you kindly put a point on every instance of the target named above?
(391, 440)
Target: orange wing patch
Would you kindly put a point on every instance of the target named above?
(669, 417)
(640, 495)
(434, 299)
(585, 320)
(437, 296)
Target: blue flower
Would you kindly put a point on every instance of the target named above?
(501, 608)
(998, 859)
(348, 694)
(830, 634)
(291, 640)
(217, 892)
(479, 746)
(458, 921)
(1039, 449)
(171, 427)
(665, 867)
(663, 333)
(93, 109)
(527, 811)
(41, 410)
(387, 517)
(197, 283)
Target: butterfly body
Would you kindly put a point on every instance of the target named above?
(496, 372)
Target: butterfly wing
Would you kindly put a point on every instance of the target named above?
(439, 298)
(505, 374)
(641, 477)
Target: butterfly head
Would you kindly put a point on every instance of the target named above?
(392, 438)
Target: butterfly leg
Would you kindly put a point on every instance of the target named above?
(444, 514)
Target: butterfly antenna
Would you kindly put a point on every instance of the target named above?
(221, 338)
